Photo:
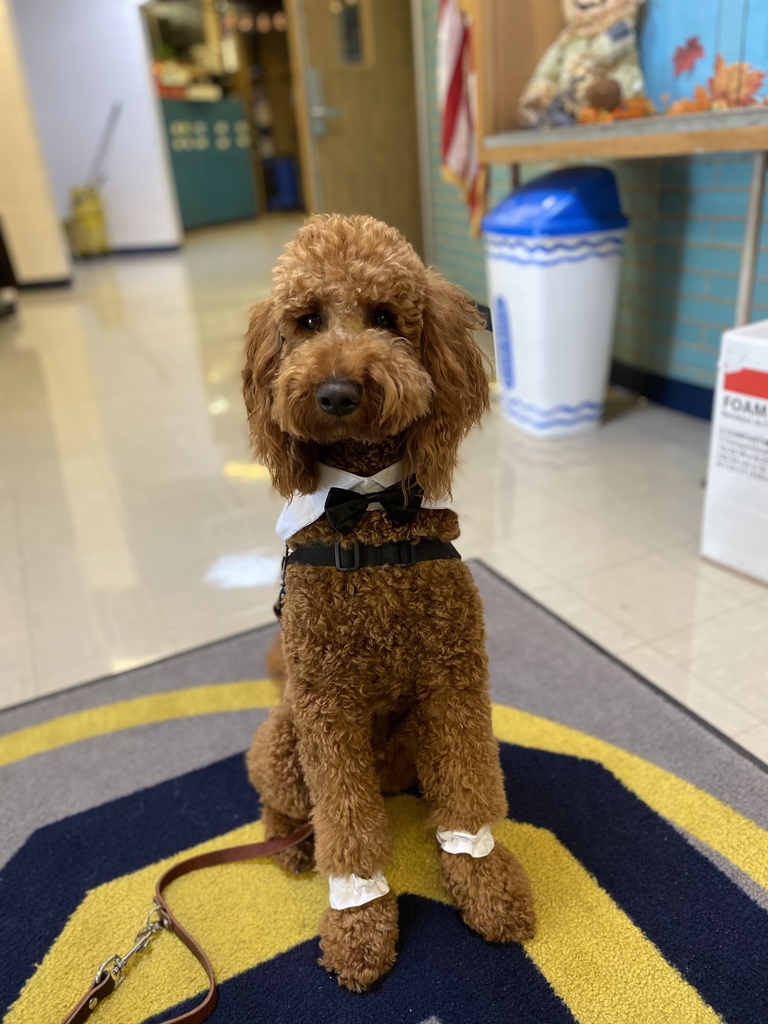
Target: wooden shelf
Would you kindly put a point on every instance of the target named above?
(511, 35)
(711, 132)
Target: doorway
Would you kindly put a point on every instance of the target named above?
(289, 104)
(222, 73)
(352, 62)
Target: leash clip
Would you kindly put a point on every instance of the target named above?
(116, 971)
(110, 974)
(155, 922)
(278, 605)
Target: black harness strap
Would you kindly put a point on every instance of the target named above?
(361, 556)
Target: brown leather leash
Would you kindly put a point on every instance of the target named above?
(110, 975)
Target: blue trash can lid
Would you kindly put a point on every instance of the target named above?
(571, 201)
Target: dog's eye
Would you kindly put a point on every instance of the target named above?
(383, 320)
(312, 321)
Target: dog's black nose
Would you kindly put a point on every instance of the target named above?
(339, 397)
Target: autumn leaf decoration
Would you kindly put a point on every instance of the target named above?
(732, 85)
(686, 56)
(701, 101)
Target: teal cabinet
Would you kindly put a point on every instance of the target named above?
(210, 146)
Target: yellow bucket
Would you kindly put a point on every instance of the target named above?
(86, 228)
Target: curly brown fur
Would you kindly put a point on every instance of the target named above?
(386, 676)
(275, 771)
(274, 766)
(394, 740)
(378, 528)
(493, 894)
(362, 457)
(358, 944)
(276, 660)
(422, 377)
(295, 859)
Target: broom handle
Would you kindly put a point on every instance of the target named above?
(104, 143)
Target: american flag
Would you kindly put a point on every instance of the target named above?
(456, 91)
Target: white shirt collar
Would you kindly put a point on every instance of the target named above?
(303, 509)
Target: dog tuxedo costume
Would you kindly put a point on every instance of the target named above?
(303, 509)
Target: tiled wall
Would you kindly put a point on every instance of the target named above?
(30, 222)
(680, 274)
(681, 266)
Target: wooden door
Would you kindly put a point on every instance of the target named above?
(352, 66)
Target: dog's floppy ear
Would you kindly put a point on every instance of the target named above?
(291, 463)
(455, 363)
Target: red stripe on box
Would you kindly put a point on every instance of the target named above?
(748, 382)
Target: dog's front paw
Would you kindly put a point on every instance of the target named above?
(358, 944)
(492, 893)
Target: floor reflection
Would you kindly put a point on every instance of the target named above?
(128, 493)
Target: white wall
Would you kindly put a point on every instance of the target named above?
(31, 226)
(80, 57)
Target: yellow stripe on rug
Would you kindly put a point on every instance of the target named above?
(595, 958)
(128, 714)
(737, 838)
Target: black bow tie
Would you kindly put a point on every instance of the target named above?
(345, 509)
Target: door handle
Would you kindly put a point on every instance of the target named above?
(318, 111)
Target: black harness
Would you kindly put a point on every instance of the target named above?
(361, 556)
(344, 510)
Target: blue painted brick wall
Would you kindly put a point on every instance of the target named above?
(678, 288)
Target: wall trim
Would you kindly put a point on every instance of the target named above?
(139, 250)
(675, 394)
(54, 282)
(144, 250)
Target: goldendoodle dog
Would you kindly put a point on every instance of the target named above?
(362, 377)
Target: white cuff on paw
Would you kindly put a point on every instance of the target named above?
(478, 845)
(351, 891)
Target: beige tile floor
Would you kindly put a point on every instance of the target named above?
(133, 523)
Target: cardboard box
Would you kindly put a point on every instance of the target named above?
(735, 529)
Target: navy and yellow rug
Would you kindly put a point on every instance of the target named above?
(644, 833)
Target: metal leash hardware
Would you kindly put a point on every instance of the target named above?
(110, 974)
(278, 606)
(143, 938)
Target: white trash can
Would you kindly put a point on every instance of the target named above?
(553, 257)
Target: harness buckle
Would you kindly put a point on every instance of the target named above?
(404, 546)
(337, 554)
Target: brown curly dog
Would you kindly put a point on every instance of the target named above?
(361, 361)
